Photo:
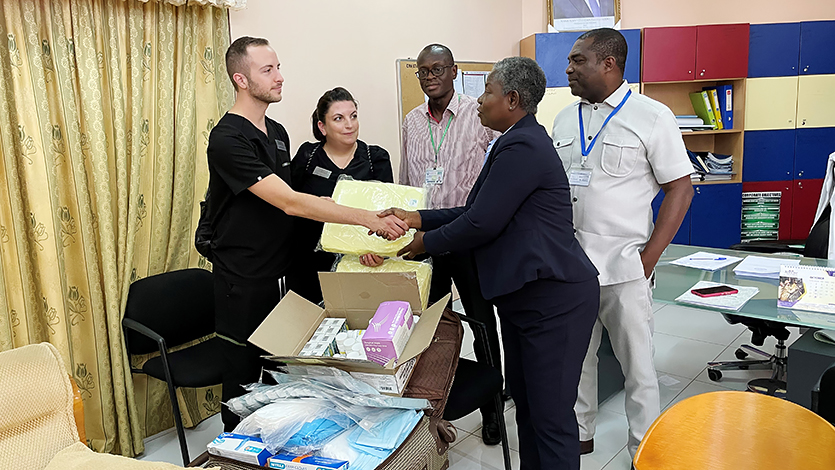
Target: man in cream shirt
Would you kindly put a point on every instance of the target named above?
(618, 149)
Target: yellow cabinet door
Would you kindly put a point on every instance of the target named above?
(552, 103)
(770, 103)
(816, 101)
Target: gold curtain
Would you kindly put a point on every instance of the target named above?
(105, 112)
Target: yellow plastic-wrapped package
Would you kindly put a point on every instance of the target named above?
(422, 270)
(374, 196)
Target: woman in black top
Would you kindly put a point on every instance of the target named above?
(315, 170)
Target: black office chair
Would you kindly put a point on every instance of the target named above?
(816, 246)
(823, 395)
(169, 310)
(476, 384)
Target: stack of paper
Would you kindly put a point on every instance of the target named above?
(706, 261)
(732, 302)
(760, 266)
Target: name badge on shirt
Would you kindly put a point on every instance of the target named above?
(579, 176)
(280, 145)
(319, 171)
(434, 176)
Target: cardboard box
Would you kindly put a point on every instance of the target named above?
(305, 462)
(355, 297)
(246, 449)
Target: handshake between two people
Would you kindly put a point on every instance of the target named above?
(396, 222)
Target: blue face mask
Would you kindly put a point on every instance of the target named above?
(387, 435)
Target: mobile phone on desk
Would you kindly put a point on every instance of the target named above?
(714, 291)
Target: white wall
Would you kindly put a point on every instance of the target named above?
(354, 43)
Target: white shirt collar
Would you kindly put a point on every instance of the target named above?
(615, 98)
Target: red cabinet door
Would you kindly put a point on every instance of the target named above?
(669, 54)
(786, 190)
(804, 205)
(722, 51)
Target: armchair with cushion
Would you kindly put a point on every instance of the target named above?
(41, 417)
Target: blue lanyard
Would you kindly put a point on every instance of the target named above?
(587, 151)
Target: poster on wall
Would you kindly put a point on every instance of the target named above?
(582, 15)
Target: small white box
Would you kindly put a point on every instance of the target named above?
(246, 449)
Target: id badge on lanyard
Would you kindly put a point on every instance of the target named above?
(434, 176)
(580, 175)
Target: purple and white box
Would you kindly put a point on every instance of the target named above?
(388, 332)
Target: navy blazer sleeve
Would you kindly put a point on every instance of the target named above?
(515, 174)
(432, 219)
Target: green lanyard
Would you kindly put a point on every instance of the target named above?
(437, 148)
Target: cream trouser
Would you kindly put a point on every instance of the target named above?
(626, 313)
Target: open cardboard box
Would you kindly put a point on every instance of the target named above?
(355, 297)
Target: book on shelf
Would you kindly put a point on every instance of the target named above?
(714, 105)
(703, 108)
(725, 97)
(708, 166)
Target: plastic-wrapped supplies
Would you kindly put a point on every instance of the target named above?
(375, 196)
(422, 270)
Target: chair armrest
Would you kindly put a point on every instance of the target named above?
(480, 332)
(78, 411)
(134, 325)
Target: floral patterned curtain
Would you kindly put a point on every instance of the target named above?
(105, 108)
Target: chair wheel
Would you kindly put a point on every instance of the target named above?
(714, 375)
(740, 353)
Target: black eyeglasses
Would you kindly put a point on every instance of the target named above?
(436, 71)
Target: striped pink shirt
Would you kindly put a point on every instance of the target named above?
(461, 155)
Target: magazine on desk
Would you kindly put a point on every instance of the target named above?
(807, 288)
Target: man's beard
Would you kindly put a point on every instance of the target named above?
(262, 93)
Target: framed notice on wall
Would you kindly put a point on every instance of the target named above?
(581, 15)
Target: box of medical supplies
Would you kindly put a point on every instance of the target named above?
(305, 462)
(238, 447)
(354, 297)
(388, 331)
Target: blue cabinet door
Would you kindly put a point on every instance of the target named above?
(552, 55)
(632, 72)
(715, 215)
(816, 40)
(774, 50)
(683, 235)
(811, 152)
(769, 155)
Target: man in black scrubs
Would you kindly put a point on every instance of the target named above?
(251, 209)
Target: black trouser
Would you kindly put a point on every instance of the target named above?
(239, 309)
(461, 269)
(546, 328)
(303, 278)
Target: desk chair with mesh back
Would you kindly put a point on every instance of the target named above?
(817, 246)
(478, 384)
(173, 309)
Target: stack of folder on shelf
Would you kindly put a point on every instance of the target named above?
(714, 105)
(711, 167)
(690, 123)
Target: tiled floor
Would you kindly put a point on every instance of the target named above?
(685, 340)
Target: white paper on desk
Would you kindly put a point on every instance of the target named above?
(732, 302)
(706, 261)
(760, 266)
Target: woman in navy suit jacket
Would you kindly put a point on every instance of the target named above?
(517, 224)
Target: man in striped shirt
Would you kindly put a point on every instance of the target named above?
(444, 147)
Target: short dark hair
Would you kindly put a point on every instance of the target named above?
(525, 77)
(608, 42)
(439, 49)
(237, 54)
(324, 105)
